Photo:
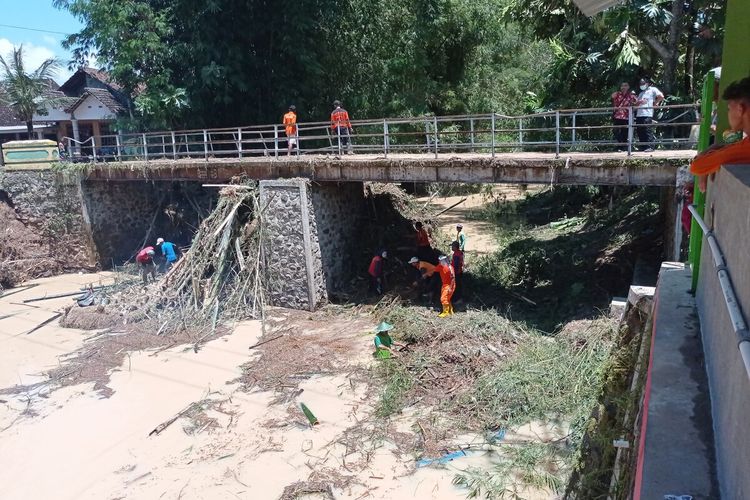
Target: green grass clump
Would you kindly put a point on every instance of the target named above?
(397, 384)
(532, 465)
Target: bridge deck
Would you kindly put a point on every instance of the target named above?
(653, 169)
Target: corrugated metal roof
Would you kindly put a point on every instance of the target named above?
(593, 7)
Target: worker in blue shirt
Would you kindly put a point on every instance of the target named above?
(169, 251)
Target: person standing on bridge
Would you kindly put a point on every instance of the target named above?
(622, 102)
(649, 98)
(737, 96)
(290, 127)
(342, 127)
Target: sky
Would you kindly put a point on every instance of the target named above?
(38, 46)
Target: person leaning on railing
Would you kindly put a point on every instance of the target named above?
(649, 98)
(341, 126)
(737, 96)
(622, 101)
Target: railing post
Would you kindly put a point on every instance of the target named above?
(385, 137)
(145, 147)
(93, 148)
(117, 145)
(573, 137)
(174, 145)
(630, 130)
(471, 136)
(239, 142)
(493, 134)
(520, 131)
(435, 124)
(338, 137)
(276, 141)
(205, 144)
(557, 134)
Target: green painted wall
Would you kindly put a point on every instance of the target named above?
(735, 63)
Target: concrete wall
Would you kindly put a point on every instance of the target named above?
(121, 214)
(309, 233)
(51, 203)
(728, 213)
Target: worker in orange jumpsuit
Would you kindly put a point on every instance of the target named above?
(448, 279)
(342, 128)
(290, 127)
(737, 96)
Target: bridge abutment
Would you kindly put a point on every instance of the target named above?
(310, 233)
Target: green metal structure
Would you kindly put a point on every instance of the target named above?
(735, 66)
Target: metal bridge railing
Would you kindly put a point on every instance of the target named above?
(559, 131)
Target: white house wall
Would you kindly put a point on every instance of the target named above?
(55, 115)
(93, 109)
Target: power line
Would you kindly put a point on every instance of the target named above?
(33, 29)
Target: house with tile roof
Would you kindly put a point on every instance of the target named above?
(85, 106)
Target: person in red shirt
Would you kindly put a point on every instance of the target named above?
(424, 250)
(341, 127)
(448, 278)
(622, 101)
(737, 96)
(145, 261)
(457, 261)
(377, 272)
(290, 127)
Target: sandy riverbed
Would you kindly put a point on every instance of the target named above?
(72, 443)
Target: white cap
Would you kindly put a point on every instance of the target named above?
(384, 254)
(159, 241)
(443, 257)
(413, 260)
(150, 252)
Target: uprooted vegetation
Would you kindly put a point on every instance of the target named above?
(485, 373)
(218, 280)
(564, 253)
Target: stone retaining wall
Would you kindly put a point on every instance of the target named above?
(123, 212)
(310, 232)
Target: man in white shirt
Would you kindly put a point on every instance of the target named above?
(649, 98)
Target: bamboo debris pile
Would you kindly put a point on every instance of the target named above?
(219, 278)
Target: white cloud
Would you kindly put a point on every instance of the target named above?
(51, 40)
(34, 55)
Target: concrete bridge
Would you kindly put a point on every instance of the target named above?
(638, 169)
(129, 188)
(555, 147)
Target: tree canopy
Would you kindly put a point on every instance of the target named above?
(23, 90)
(231, 62)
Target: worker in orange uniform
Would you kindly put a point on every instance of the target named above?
(737, 96)
(290, 127)
(377, 272)
(448, 279)
(341, 127)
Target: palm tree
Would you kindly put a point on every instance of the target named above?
(24, 92)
